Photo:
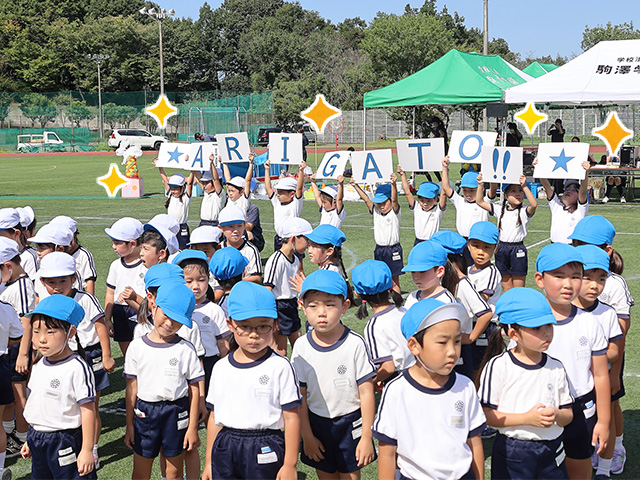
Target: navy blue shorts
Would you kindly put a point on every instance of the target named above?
(417, 241)
(392, 256)
(16, 377)
(207, 364)
(93, 356)
(183, 236)
(480, 345)
(6, 390)
(288, 318)
(339, 437)
(466, 357)
(518, 459)
(160, 424)
(620, 393)
(577, 435)
(213, 223)
(247, 454)
(122, 324)
(512, 259)
(54, 454)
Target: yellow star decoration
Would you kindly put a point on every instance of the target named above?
(161, 111)
(613, 132)
(320, 113)
(112, 181)
(530, 117)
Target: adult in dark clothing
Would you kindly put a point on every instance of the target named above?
(557, 131)
(305, 142)
(514, 137)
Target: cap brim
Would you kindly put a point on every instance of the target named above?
(449, 311)
(539, 321)
(380, 198)
(419, 267)
(176, 316)
(55, 273)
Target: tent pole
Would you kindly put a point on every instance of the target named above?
(364, 128)
(575, 120)
(413, 130)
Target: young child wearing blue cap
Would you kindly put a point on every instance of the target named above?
(336, 382)
(387, 347)
(213, 195)
(385, 209)
(163, 372)
(178, 190)
(429, 210)
(580, 344)
(405, 433)
(484, 275)
(227, 266)
(61, 408)
(254, 393)
(524, 392)
(513, 224)
(330, 202)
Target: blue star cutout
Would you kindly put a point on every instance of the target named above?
(175, 156)
(561, 161)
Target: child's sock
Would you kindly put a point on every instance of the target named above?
(604, 466)
(619, 441)
(3, 455)
(9, 426)
(95, 450)
(22, 437)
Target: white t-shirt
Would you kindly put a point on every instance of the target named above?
(277, 272)
(510, 386)
(252, 396)
(385, 340)
(414, 297)
(386, 228)
(467, 213)
(20, 294)
(616, 293)
(163, 371)
(56, 392)
(332, 374)
(10, 326)
(430, 427)
(242, 203)
(191, 335)
(251, 253)
(283, 211)
(121, 275)
(211, 205)
(510, 231)
(178, 207)
(85, 266)
(212, 323)
(472, 301)
(426, 223)
(563, 222)
(29, 262)
(608, 319)
(223, 303)
(87, 333)
(332, 217)
(487, 280)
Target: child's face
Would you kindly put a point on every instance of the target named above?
(5, 272)
(535, 339)
(562, 285)
(324, 310)
(234, 193)
(440, 349)
(12, 233)
(570, 195)
(208, 248)
(150, 255)
(165, 327)
(254, 334)
(50, 342)
(59, 285)
(197, 281)
(593, 281)
(426, 203)
(123, 249)
(515, 194)
(233, 233)
(469, 194)
(317, 253)
(427, 281)
(176, 191)
(44, 249)
(480, 251)
(208, 186)
(384, 207)
(301, 244)
(328, 203)
(285, 196)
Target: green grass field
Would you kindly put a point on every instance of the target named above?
(55, 185)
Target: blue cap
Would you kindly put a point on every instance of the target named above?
(428, 312)
(425, 256)
(428, 190)
(177, 301)
(326, 234)
(163, 273)
(227, 263)
(525, 307)
(594, 257)
(190, 255)
(451, 241)
(383, 193)
(556, 255)
(469, 180)
(485, 231)
(250, 300)
(60, 307)
(594, 230)
(327, 281)
(371, 277)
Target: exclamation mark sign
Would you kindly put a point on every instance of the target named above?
(505, 163)
(496, 157)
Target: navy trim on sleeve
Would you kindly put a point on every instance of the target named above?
(196, 380)
(366, 377)
(209, 406)
(383, 438)
(291, 405)
(597, 353)
(477, 431)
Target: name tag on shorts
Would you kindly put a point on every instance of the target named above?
(341, 382)
(97, 365)
(170, 372)
(66, 457)
(270, 457)
(583, 354)
(52, 394)
(589, 409)
(396, 257)
(261, 392)
(182, 424)
(457, 421)
(520, 254)
(357, 429)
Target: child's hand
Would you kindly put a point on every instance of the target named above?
(541, 416)
(615, 384)
(378, 387)
(480, 180)
(394, 177)
(191, 439)
(600, 436)
(445, 162)
(127, 294)
(535, 161)
(523, 181)
(108, 363)
(586, 165)
(314, 449)
(303, 165)
(400, 171)
(267, 165)
(212, 159)
(129, 438)
(109, 325)
(296, 281)
(285, 473)
(85, 462)
(352, 181)
(186, 159)
(25, 452)
(206, 473)
(154, 161)
(313, 178)
(251, 157)
(364, 451)
(340, 179)
(22, 364)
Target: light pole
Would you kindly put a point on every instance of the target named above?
(159, 15)
(99, 58)
(485, 51)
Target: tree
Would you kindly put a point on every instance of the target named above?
(623, 31)
(78, 112)
(5, 105)
(111, 114)
(36, 106)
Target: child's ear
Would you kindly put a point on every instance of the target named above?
(414, 346)
(539, 278)
(162, 255)
(440, 271)
(72, 331)
(608, 249)
(512, 333)
(59, 248)
(345, 305)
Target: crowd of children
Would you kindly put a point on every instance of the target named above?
(205, 329)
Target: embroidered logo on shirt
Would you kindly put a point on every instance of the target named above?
(55, 383)
(583, 341)
(342, 369)
(206, 319)
(264, 379)
(173, 362)
(459, 405)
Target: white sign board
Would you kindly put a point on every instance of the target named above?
(372, 166)
(332, 165)
(233, 147)
(501, 164)
(421, 155)
(466, 147)
(285, 148)
(561, 160)
(186, 156)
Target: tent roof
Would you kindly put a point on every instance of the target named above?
(455, 78)
(537, 69)
(608, 73)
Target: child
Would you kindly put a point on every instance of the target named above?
(162, 372)
(580, 344)
(238, 188)
(14, 224)
(207, 239)
(280, 267)
(178, 191)
(432, 330)
(337, 410)
(485, 276)
(386, 346)
(61, 407)
(83, 257)
(232, 224)
(214, 196)
(385, 209)
(426, 218)
(330, 202)
(253, 394)
(513, 223)
(524, 392)
(227, 267)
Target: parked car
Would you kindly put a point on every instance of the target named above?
(142, 138)
(36, 142)
(263, 134)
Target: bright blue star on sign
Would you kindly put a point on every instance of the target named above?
(175, 156)
(561, 161)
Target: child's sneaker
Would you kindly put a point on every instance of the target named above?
(618, 460)
(13, 446)
(6, 474)
(623, 200)
(605, 199)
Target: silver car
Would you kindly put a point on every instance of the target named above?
(134, 136)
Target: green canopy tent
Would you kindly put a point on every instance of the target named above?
(537, 69)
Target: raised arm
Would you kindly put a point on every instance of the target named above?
(267, 179)
(226, 172)
(362, 194)
(533, 201)
(217, 184)
(315, 190)
(548, 189)
(584, 184)
(394, 193)
(405, 186)
(446, 187)
(189, 184)
(249, 176)
(340, 194)
(300, 184)
(480, 201)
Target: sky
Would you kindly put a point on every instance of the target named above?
(536, 28)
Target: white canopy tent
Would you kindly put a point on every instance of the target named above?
(606, 74)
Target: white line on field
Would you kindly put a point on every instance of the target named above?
(538, 243)
(352, 256)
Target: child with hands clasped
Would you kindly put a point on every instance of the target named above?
(336, 383)
(253, 394)
(432, 331)
(524, 392)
